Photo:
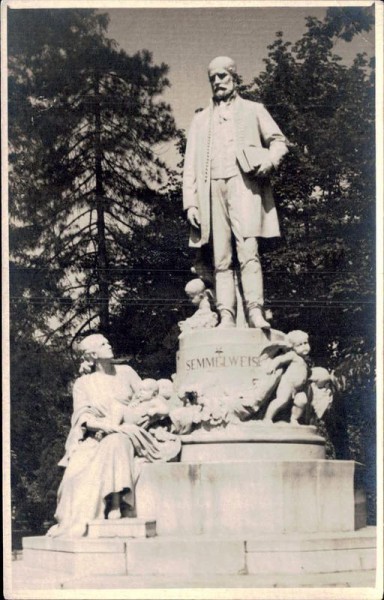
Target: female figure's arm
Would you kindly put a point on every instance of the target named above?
(84, 413)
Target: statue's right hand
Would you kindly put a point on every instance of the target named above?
(193, 216)
(108, 427)
(269, 366)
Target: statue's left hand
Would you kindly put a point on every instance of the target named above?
(264, 169)
(143, 442)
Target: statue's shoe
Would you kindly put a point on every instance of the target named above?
(226, 322)
(256, 320)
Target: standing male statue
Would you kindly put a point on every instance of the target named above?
(232, 146)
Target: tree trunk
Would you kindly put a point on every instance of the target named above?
(101, 254)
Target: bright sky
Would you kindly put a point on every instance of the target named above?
(187, 40)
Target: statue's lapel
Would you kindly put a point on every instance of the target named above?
(238, 116)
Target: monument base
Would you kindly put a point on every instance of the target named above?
(251, 497)
(290, 554)
(253, 441)
(225, 514)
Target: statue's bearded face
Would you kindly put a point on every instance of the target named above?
(222, 83)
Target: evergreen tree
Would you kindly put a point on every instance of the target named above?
(85, 121)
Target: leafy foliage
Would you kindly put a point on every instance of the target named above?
(321, 278)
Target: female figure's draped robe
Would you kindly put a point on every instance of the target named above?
(94, 469)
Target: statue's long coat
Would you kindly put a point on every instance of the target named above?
(253, 126)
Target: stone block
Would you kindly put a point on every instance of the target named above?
(122, 528)
(317, 561)
(249, 497)
(253, 441)
(75, 556)
(193, 556)
(312, 553)
(335, 495)
(364, 538)
(76, 563)
(79, 545)
(224, 355)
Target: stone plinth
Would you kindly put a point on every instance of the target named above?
(222, 355)
(253, 441)
(78, 557)
(299, 554)
(248, 497)
(127, 527)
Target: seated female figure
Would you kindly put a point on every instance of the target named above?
(103, 453)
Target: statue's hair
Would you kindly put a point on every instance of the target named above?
(195, 286)
(297, 337)
(226, 63)
(87, 366)
(85, 347)
(166, 382)
(320, 374)
(152, 382)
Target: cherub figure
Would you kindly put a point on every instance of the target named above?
(292, 385)
(167, 391)
(204, 317)
(147, 404)
(322, 385)
(165, 388)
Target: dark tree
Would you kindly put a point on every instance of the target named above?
(85, 121)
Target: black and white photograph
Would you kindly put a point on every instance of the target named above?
(192, 299)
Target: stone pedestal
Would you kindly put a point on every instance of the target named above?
(249, 497)
(225, 356)
(279, 556)
(253, 441)
(123, 528)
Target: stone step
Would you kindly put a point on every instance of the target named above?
(348, 579)
(28, 578)
(202, 555)
(122, 528)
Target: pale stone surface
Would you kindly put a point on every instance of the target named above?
(313, 553)
(232, 355)
(127, 527)
(75, 556)
(38, 579)
(175, 556)
(253, 441)
(76, 563)
(82, 544)
(248, 497)
(346, 540)
(320, 561)
(184, 556)
(238, 452)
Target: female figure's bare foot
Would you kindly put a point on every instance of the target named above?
(114, 514)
